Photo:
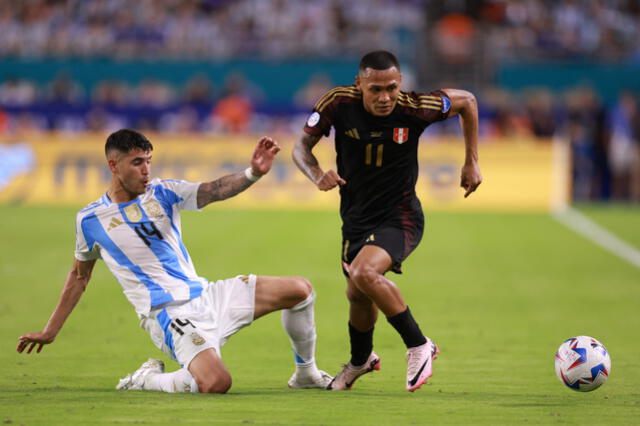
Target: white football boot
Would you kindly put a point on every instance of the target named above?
(420, 364)
(321, 380)
(135, 380)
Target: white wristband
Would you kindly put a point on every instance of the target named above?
(249, 175)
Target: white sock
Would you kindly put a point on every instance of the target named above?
(177, 381)
(299, 323)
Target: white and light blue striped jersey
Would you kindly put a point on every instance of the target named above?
(141, 243)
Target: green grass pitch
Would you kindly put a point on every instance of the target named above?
(497, 292)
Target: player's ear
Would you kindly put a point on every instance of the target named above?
(112, 160)
(112, 164)
(358, 81)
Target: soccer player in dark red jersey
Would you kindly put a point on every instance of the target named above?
(377, 127)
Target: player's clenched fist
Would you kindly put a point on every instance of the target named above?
(470, 178)
(329, 180)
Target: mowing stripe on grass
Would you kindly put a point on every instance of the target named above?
(584, 226)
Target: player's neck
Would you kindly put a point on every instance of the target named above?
(117, 194)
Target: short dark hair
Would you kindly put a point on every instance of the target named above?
(124, 140)
(379, 60)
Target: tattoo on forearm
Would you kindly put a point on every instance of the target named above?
(304, 158)
(223, 188)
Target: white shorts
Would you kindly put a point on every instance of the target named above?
(182, 331)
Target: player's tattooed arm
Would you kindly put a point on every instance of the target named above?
(222, 188)
(308, 164)
(304, 158)
(230, 185)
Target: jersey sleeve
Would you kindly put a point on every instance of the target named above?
(322, 116)
(83, 252)
(180, 192)
(429, 107)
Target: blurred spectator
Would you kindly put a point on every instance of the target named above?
(310, 93)
(184, 120)
(199, 91)
(100, 120)
(4, 122)
(586, 135)
(233, 112)
(501, 115)
(541, 113)
(111, 94)
(454, 35)
(154, 93)
(625, 148)
(63, 90)
(17, 92)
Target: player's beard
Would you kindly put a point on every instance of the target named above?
(138, 188)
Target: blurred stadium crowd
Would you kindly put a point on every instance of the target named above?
(187, 28)
(604, 134)
(203, 28)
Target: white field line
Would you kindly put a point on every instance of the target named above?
(584, 226)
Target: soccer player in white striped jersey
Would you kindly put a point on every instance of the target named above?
(135, 228)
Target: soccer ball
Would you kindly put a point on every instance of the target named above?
(582, 363)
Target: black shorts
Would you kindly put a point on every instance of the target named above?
(398, 241)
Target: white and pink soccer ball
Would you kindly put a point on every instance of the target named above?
(583, 363)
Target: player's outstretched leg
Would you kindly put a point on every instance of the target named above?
(151, 376)
(299, 323)
(420, 364)
(295, 297)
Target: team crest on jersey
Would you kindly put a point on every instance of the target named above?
(197, 339)
(153, 208)
(400, 134)
(133, 213)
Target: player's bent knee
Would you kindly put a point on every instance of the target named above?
(219, 384)
(363, 276)
(301, 288)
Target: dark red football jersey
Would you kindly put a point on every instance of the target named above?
(377, 156)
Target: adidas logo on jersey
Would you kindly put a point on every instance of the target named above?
(114, 222)
(353, 133)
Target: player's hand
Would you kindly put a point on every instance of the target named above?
(32, 340)
(470, 178)
(263, 156)
(330, 180)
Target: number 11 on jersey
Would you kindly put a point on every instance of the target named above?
(368, 154)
